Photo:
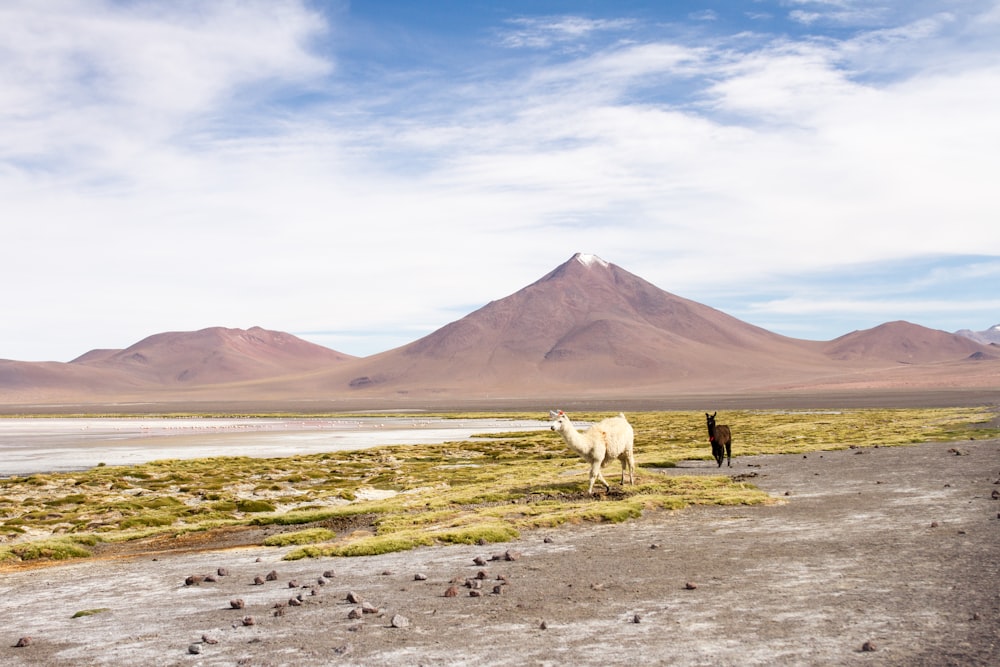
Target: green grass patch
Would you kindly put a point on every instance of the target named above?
(490, 488)
(89, 612)
(308, 536)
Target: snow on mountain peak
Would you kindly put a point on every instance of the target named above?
(590, 260)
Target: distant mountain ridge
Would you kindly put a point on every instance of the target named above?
(588, 328)
(991, 335)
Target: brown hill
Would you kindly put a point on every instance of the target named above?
(213, 356)
(903, 343)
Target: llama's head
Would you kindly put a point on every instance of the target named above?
(559, 420)
(710, 418)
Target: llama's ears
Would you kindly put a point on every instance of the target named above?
(556, 414)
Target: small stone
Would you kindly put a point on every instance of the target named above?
(272, 576)
(654, 546)
(387, 573)
(294, 602)
(481, 574)
(22, 642)
(210, 579)
(995, 494)
(637, 619)
(354, 613)
(934, 524)
(868, 646)
(293, 584)
(498, 590)
(419, 576)
(474, 593)
(512, 555)
(451, 592)
(280, 611)
(690, 586)
(368, 608)
(328, 574)
(321, 581)
(194, 648)
(258, 581)
(249, 620)
(353, 597)
(788, 493)
(194, 580)
(543, 626)
(209, 640)
(547, 540)
(222, 572)
(399, 621)
(236, 604)
(342, 650)
(479, 560)
(502, 578)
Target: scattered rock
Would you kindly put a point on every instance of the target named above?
(475, 593)
(321, 581)
(353, 598)
(498, 590)
(956, 452)
(479, 560)
(209, 640)
(547, 540)
(272, 576)
(293, 584)
(543, 626)
(210, 578)
(420, 577)
(387, 573)
(236, 604)
(934, 524)
(194, 648)
(355, 613)
(328, 574)
(294, 602)
(249, 620)
(690, 586)
(451, 592)
(482, 574)
(512, 555)
(637, 618)
(194, 580)
(868, 646)
(654, 546)
(342, 650)
(222, 572)
(22, 642)
(368, 608)
(280, 611)
(399, 621)
(258, 581)
(995, 494)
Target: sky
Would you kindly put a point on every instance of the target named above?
(362, 173)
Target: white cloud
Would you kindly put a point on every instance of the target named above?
(155, 177)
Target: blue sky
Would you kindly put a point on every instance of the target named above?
(362, 173)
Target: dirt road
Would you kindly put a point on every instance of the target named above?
(892, 549)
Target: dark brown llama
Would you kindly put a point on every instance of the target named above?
(722, 440)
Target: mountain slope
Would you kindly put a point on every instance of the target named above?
(904, 343)
(213, 356)
(587, 326)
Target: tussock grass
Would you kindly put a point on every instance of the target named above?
(488, 489)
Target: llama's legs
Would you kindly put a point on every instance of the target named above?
(595, 474)
(729, 454)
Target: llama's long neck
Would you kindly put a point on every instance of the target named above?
(711, 430)
(575, 439)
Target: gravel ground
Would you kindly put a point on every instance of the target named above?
(878, 556)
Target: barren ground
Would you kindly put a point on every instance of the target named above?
(897, 547)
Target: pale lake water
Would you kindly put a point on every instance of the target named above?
(57, 445)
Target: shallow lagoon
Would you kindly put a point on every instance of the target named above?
(57, 445)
